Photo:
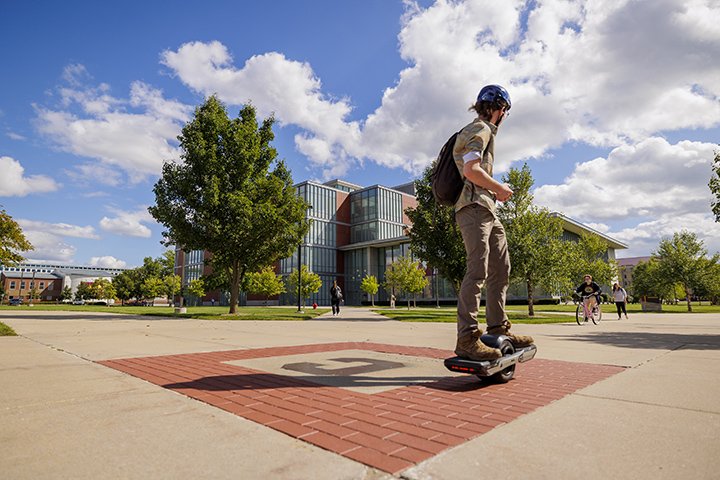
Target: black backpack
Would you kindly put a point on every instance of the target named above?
(445, 179)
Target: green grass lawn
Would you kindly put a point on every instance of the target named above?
(6, 331)
(449, 314)
(518, 313)
(202, 313)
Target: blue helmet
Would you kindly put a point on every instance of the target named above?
(494, 94)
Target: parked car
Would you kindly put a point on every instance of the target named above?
(78, 302)
(16, 301)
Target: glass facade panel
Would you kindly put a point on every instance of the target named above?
(356, 268)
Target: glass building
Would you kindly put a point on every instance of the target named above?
(358, 231)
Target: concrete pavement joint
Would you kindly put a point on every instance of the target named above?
(650, 404)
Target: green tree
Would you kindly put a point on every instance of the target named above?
(715, 186)
(167, 263)
(406, 275)
(534, 237)
(682, 260)
(311, 282)
(197, 288)
(151, 268)
(152, 287)
(66, 294)
(370, 286)
(84, 291)
(102, 288)
(223, 198)
(589, 256)
(172, 285)
(126, 285)
(265, 282)
(648, 281)
(2, 294)
(12, 240)
(435, 237)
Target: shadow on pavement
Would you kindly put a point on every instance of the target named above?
(663, 341)
(261, 381)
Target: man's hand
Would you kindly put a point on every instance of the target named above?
(503, 193)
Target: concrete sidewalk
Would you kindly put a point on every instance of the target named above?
(65, 415)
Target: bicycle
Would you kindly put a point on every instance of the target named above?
(595, 314)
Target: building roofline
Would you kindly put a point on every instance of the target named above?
(375, 243)
(577, 227)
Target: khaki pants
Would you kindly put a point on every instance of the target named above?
(488, 263)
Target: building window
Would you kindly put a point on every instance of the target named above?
(22, 284)
(12, 284)
(42, 286)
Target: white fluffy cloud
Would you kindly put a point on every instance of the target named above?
(134, 135)
(661, 187)
(623, 91)
(128, 223)
(48, 239)
(652, 177)
(107, 261)
(14, 182)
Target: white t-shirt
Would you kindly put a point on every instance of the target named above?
(620, 295)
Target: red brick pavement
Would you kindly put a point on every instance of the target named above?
(392, 430)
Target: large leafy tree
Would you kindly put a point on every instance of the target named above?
(434, 236)
(534, 236)
(683, 259)
(224, 198)
(167, 263)
(12, 240)
(102, 288)
(406, 275)
(127, 285)
(715, 186)
(649, 281)
(589, 256)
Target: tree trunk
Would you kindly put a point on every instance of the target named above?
(234, 289)
(687, 297)
(372, 300)
(531, 307)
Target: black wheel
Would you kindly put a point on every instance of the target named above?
(505, 375)
(579, 317)
(597, 315)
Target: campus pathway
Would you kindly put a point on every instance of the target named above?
(91, 395)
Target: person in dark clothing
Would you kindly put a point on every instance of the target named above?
(335, 297)
(590, 292)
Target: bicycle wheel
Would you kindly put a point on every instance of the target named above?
(579, 318)
(597, 315)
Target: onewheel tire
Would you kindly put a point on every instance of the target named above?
(597, 316)
(506, 375)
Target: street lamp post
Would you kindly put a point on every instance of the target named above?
(299, 276)
(300, 270)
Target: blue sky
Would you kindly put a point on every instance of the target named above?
(615, 109)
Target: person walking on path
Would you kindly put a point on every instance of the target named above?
(488, 259)
(335, 298)
(620, 297)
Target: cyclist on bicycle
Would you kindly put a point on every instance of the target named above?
(590, 292)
